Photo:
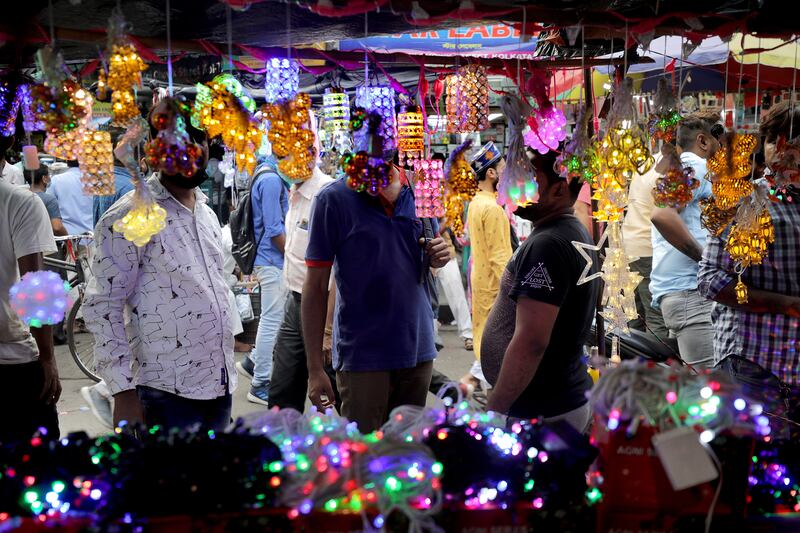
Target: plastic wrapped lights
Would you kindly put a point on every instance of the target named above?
(40, 298)
(172, 151)
(663, 123)
(410, 135)
(281, 80)
(467, 100)
(96, 163)
(142, 222)
(578, 160)
(380, 99)
(675, 188)
(428, 188)
(548, 129)
(292, 141)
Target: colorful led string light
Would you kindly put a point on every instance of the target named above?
(367, 170)
(547, 123)
(578, 160)
(40, 298)
(223, 109)
(460, 187)
(292, 140)
(336, 112)
(676, 185)
(281, 80)
(428, 188)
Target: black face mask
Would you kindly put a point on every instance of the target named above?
(183, 182)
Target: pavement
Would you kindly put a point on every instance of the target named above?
(74, 415)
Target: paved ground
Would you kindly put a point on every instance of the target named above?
(74, 414)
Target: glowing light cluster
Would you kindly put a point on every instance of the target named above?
(676, 188)
(619, 283)
(336, 111)
(173, 151)
(664, 125)
(281, 80)
(142, 222)
(729, 169)
(380, 99)
(365, 173)
(547, 129)
(61, 108)
(96, 163)
(578, 160)
(467, 100)
(65, 145)
(223, 109)
(410, 135)
(40, 298)
(125, 67)
(428, 188)
(460, 188)
(292, 141)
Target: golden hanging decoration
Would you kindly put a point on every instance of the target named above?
(292, 142)
(741, 291)
(729, 170)
(460, 187)
(747, 243)
(64, 145)
(467, 100)
(410, 135)
(96, 163)
(714, 219)
(125, 68)
(145, 219)
(61, 108)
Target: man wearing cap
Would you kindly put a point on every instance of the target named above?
(490, 239)
(532, 351)
(383, 341)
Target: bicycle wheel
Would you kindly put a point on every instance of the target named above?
(81, 343)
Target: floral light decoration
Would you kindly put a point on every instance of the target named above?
(578, 160)
(729, 170)
(379, 99)
(367, 170)
(517, 185)
(40, 298)
(410, 135)
(173, 151)
(547, 123)
(460, 187)
(282, 77)
(96, 163)
(223, 109)
(429, 188)
(125, 67)
(292, 141)
(467, 100)
(676, 184)
(663, 123)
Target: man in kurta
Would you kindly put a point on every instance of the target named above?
(490, 238)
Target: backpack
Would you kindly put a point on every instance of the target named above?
(245, 246)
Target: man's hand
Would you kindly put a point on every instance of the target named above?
(437, 251)
(327, 346)
(320, 390)
(128, 407)
(51, 390)
(792, 306)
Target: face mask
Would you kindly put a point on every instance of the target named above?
(186, 183)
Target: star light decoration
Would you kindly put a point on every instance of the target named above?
(125, 67)
(223, 109)
(729, 170)
(663, 123)
(460, 188)
(467, 100)
(292, 141)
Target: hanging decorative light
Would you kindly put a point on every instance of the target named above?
(676, 185)
(61, 108)
(173, 151)
(380, 99)
(410, 135)
(367, 170)
(467, 100)
(517, 186)
(460, 188)
(336, 111)
(292, 141)
(547, 123)
(664, 121)
(428, 188)
(96, 163)
(281, 81)
(142, 222)
(578, 160)
(125, 67)
(729, 170)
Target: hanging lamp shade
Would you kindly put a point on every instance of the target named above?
(410, 135)
(467, 100)
(380, 99)
(429, 188)
(336, 111)
(282, 78)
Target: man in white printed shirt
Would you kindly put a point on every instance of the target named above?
(289, 383)
(180, 332)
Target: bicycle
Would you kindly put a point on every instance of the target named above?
(81, 344)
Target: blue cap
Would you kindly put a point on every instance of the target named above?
(485, 157)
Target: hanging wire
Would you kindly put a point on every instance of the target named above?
(366, 60)
(288, 30)
(519, 48)
(625, 52)
(725, 87)
(169, 52)
(583, 69)
(229, 22)
(52, 24)
(757, 110)
(680, 73)
(792, 96)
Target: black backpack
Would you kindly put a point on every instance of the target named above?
(245, 245)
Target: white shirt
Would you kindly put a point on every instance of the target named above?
(636, 227)
(12, 174)
(301, 198)
(24, 229)
(77, 209)
(180, 323)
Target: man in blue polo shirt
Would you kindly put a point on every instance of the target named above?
(383, 341)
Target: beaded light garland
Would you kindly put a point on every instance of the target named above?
(125, 67)
(410, 135)
(729, 170)
(292, 141)
(714, 219)
(336, 111)
(10, 107)
(96, 163)
(380, 99)
(467, 100)
(40, 298)
(282, 77)
(367, 170)
(428, 188)
(517, 184)
(142, 222)
(223, 109)
(461, 187)
(64, 145)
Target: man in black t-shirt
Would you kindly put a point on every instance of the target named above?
(532, 350)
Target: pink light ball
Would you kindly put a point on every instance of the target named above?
(548, 129)
(40, 298)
